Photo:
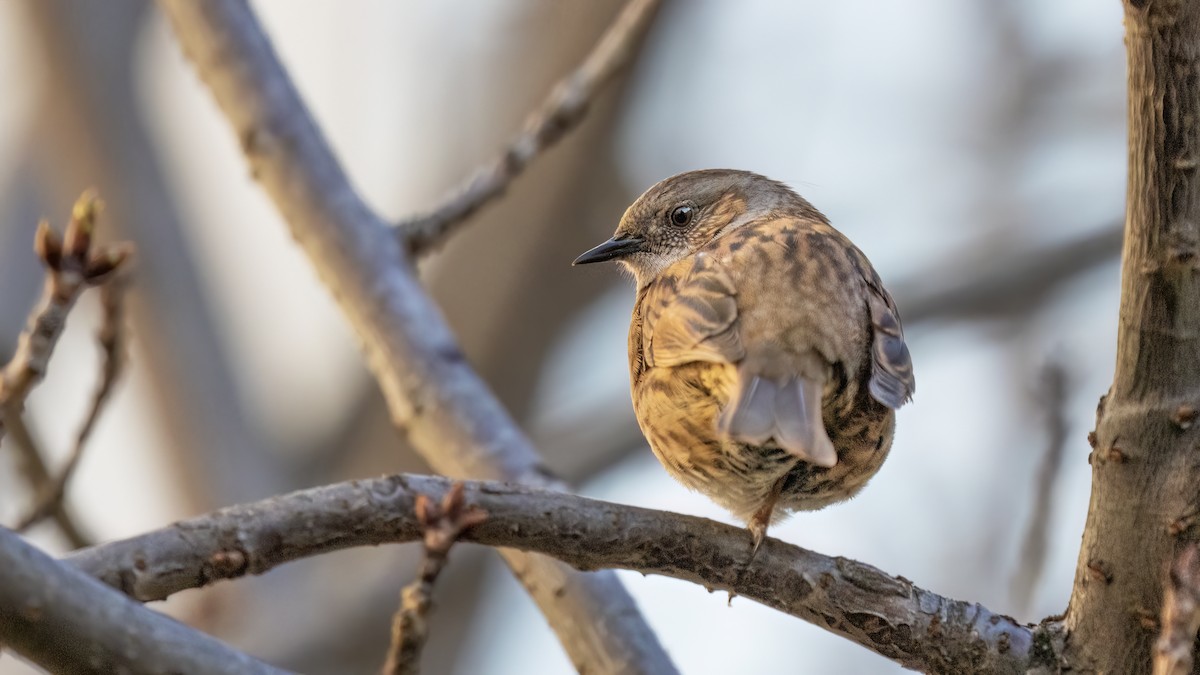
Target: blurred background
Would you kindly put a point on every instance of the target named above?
(974, 150)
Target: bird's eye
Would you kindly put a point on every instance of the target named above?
(682, 215)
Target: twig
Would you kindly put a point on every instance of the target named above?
(1052, 400)
(91, 128)
(67, 622)
(445, 410)
(561, 112)
(887, 614)
(1174, 651)
(32, 464)
(71, 267)
(112, 344)
(441, 526)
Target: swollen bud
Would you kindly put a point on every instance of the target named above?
(48, 245)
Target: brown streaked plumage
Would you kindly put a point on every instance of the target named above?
(766, 359)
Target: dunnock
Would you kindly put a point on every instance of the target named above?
(766, 359)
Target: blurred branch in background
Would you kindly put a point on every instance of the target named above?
(973, 286)
(565, 107)
(73, 265)
(887, 614)
(31, 463)
(450, 416)
(65, 621)
(111, 339)
(1052, 401)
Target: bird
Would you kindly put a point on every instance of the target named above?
(766, 358)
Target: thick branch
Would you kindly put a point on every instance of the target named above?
(887, 614)
(65, 621)
(1144, 501)
(448, 413)
(561, 112)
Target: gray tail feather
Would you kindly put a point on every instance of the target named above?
(788, 412)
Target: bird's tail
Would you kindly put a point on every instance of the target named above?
(788, 411)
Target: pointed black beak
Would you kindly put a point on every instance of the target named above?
(610, 250)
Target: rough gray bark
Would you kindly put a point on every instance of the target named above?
(432, 393)
(887, 614)
(1145, 464)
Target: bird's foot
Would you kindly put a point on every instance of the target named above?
(758, 534)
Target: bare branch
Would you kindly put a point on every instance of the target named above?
(71, 267)
(31, 462)
(1052, 401)
(1000, 285)
(66, 621)
(112, 344)
(887, 614)
(446, 411)
(441, 526)
(561, 112)
(1174, 651)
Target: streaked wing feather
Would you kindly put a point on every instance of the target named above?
(892, 382)
(698, 323)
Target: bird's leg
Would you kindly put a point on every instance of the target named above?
(762, 518)
(758, 527)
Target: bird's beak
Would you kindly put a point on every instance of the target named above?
(611, 250)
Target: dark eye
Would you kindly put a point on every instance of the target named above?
(682, 215)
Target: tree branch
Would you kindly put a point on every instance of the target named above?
(71, 267)
(887, 614)
(66, 621)
(999, 285)
(31, 462)
(1052, 400)
(449, 415)
(561, 112)
(111, 337)
(441, 526)
(1144, 501)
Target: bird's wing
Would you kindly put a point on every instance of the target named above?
(694, 319)
(892, 382)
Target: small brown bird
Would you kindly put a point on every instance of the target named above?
(765, 357)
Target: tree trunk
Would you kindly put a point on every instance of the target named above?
(1145, 463)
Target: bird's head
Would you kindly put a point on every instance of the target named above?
(683, 213)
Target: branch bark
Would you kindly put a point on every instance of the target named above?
(67, 622)
(432, 393)
(887, 614)
(1144, 472)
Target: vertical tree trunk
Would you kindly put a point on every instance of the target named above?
(1145, 459)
